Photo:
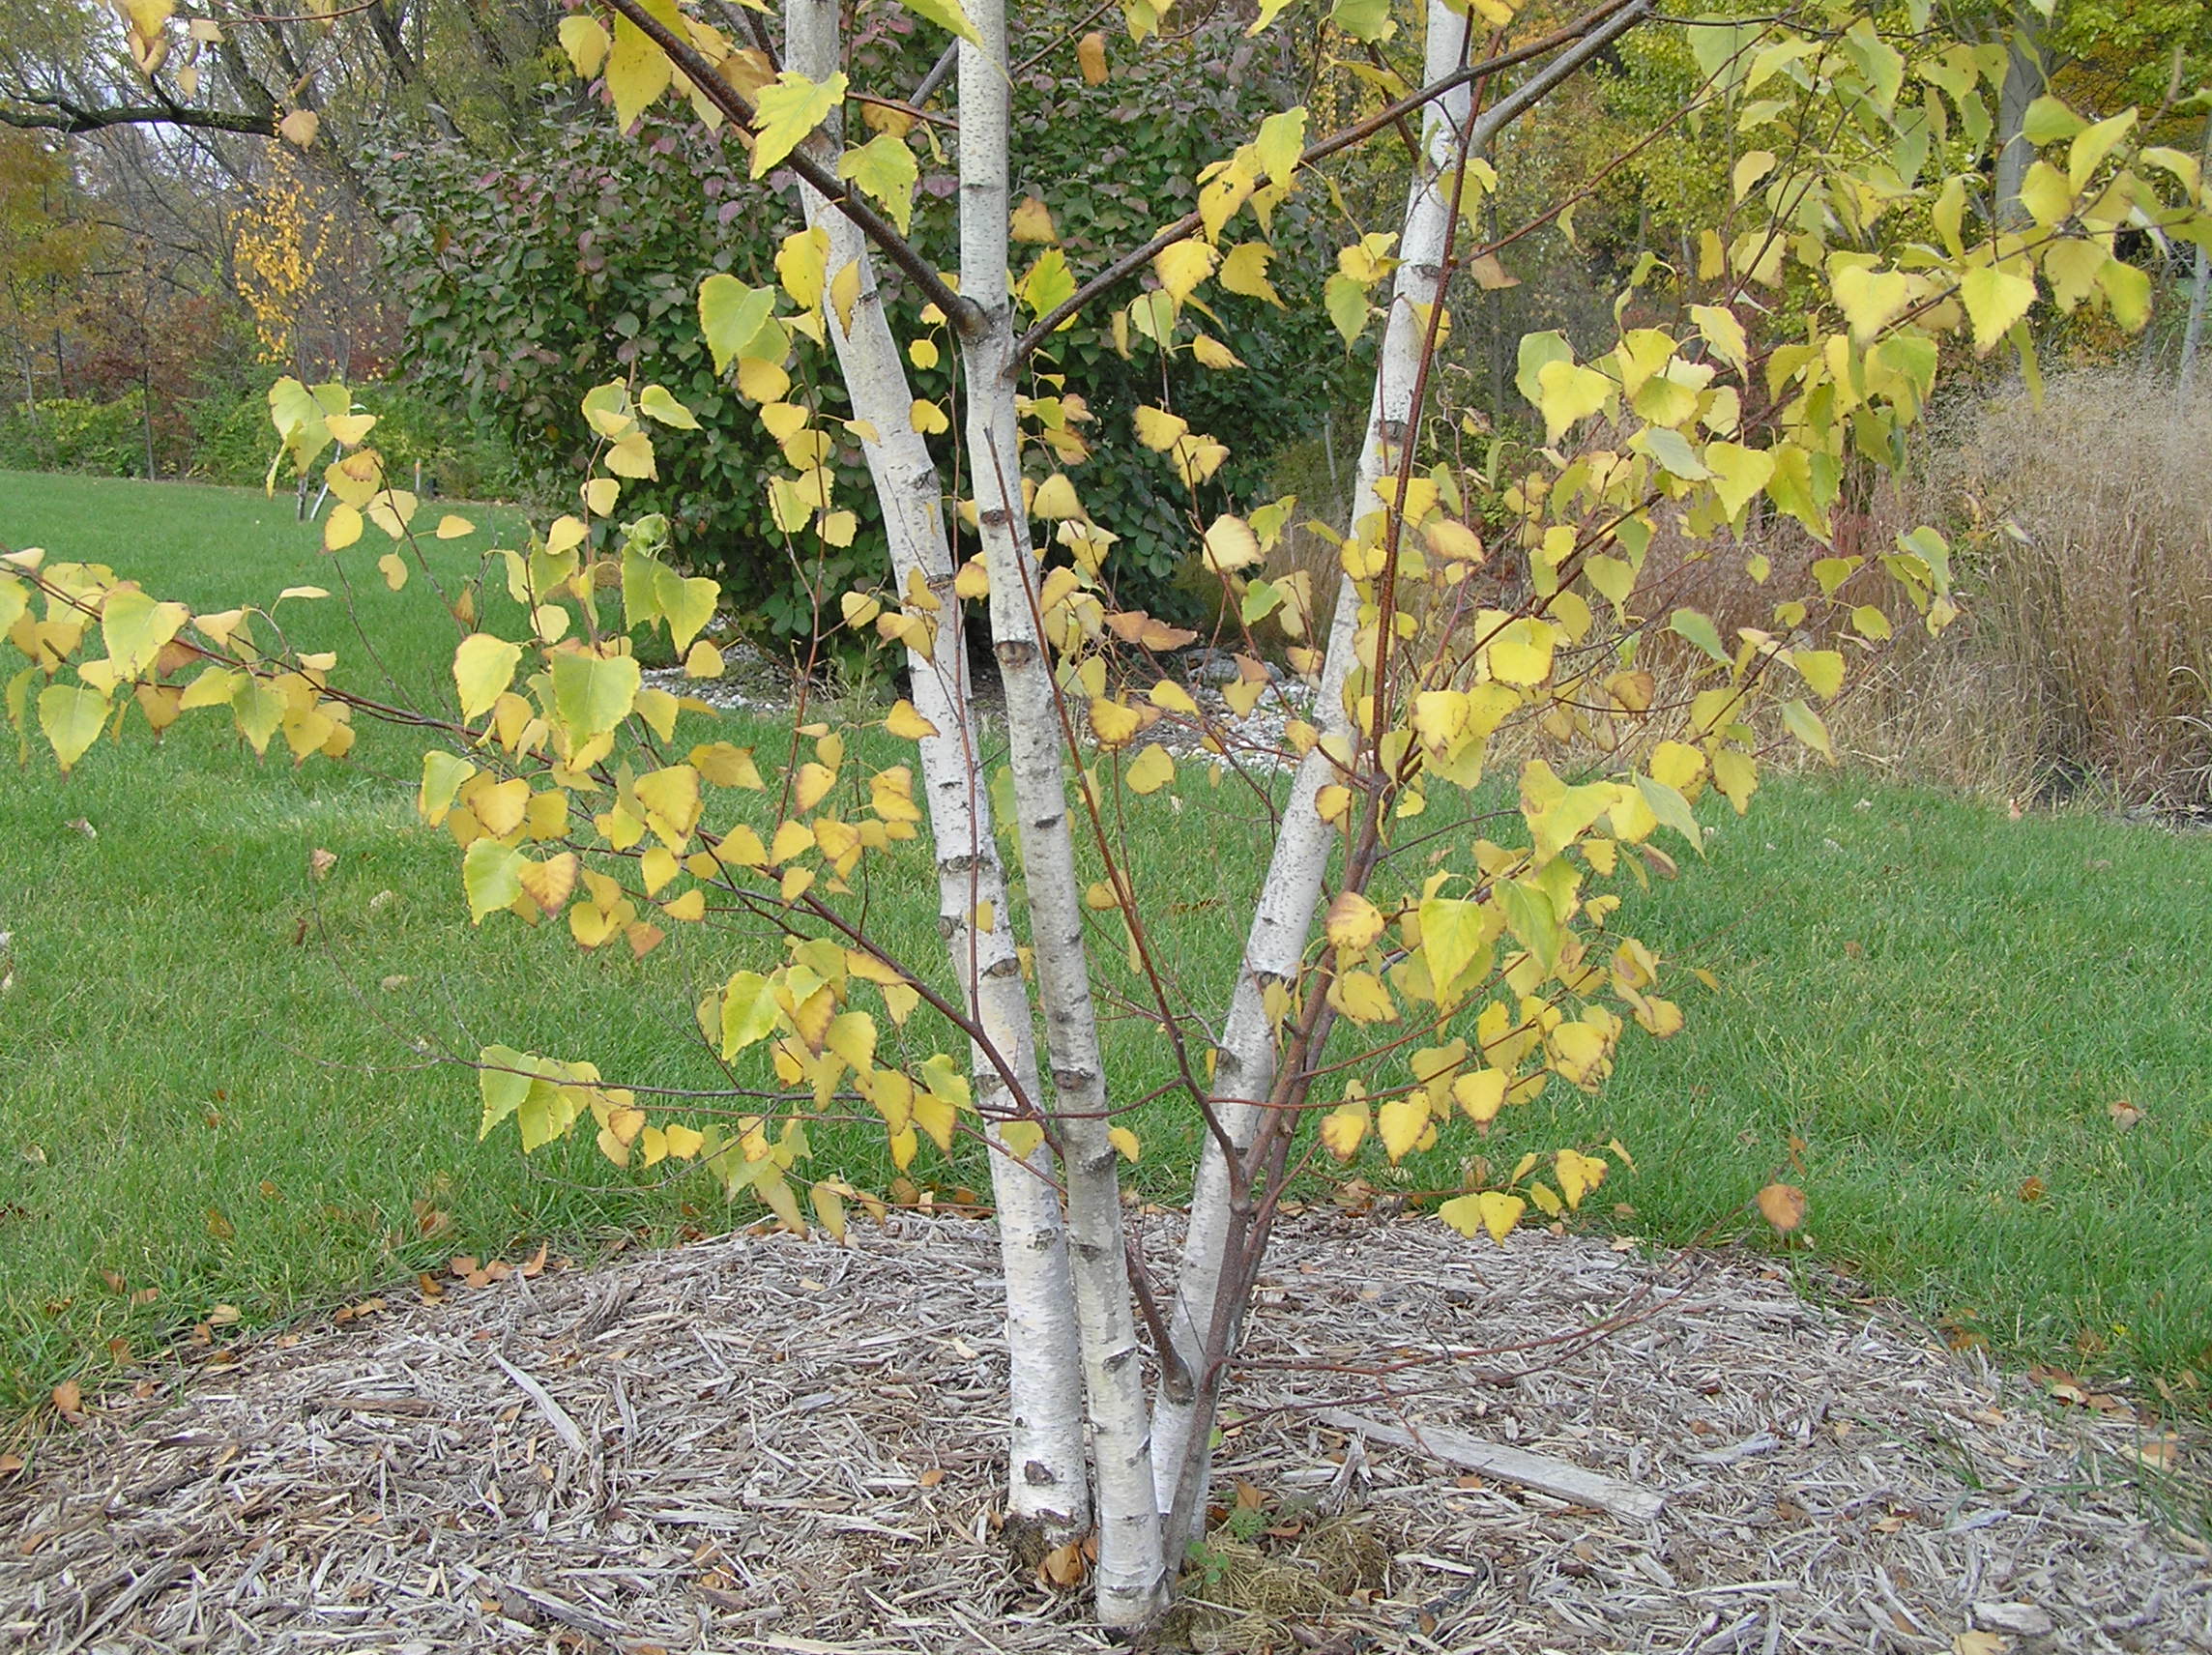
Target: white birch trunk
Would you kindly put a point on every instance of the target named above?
(1130, 1572)
(1282, 919)
(1048, 1483)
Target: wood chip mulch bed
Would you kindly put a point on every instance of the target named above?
(758, 1443)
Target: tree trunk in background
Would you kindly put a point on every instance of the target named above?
(2027, 70)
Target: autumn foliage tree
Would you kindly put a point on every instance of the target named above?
(1494, 719)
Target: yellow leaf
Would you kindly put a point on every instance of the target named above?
(1181, 267)
(1159, 430)
(343, 528)
(1522, 651)
(1150, 771)
(71, 718)
(1113, 723)
(1567, 394)
(1401, 1122)
(927, 418)
(1493, 1211)
(1126, 1144)
(393, 567)
(452, 527)
(1031, 221)
(633, 456)
(300, 127)
(1230, 544)
(1021, 1138)
(1353, 922)
(906, 724)
(1244, 270)
(1091, 57)
(1480, 1093)
(1343, 1127)
(1995, 300)
(1578, 1174)
(1361, 997)
(483, 666)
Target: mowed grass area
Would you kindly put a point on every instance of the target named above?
(208, 1085)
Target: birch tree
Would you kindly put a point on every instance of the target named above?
(1494, 719)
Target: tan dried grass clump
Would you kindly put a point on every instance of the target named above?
(2091, 573)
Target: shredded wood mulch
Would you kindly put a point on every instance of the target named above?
(759, 1443)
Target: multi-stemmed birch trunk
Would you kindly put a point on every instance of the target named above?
(1437, 990)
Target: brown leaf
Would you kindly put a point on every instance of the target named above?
(2124, 1113)
(461, 1265)
(2159, 1453)
(115, 1282)
(320, 861)
(69, 1398)
(219, 1227)
(930, 1478)
(9, 1465)
(1091, 53)
(536, 1267)
(1781, 1205)
(1064, 1567)
(428, 1285)
(2033, 1189)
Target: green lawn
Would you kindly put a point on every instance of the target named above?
(209, 1084)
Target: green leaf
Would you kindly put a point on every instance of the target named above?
(1539, 350)
(731, 316)
(593, 693)
(483, 666)
(1346, 301)
(505, 1080)
(1699, 630)
(1049, 284)
(885, 167)
(2047, 120)
(947, 14)
(688, 603)
(72, 715)
(1805, 724)
(1530, 917)
(491, 873)
(135, 628)
(1364, 19)
(748, 1012)
(786, 111)
(1454, 934)
(1671, 450)
(1672, 811)
(443, 774)
(656, 402)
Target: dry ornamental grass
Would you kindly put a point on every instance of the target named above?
(765, 1444)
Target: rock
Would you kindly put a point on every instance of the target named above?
(2024, 1620)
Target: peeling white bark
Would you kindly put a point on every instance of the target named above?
(1282, 919)
(1131, 1572)
(1048, 1480)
